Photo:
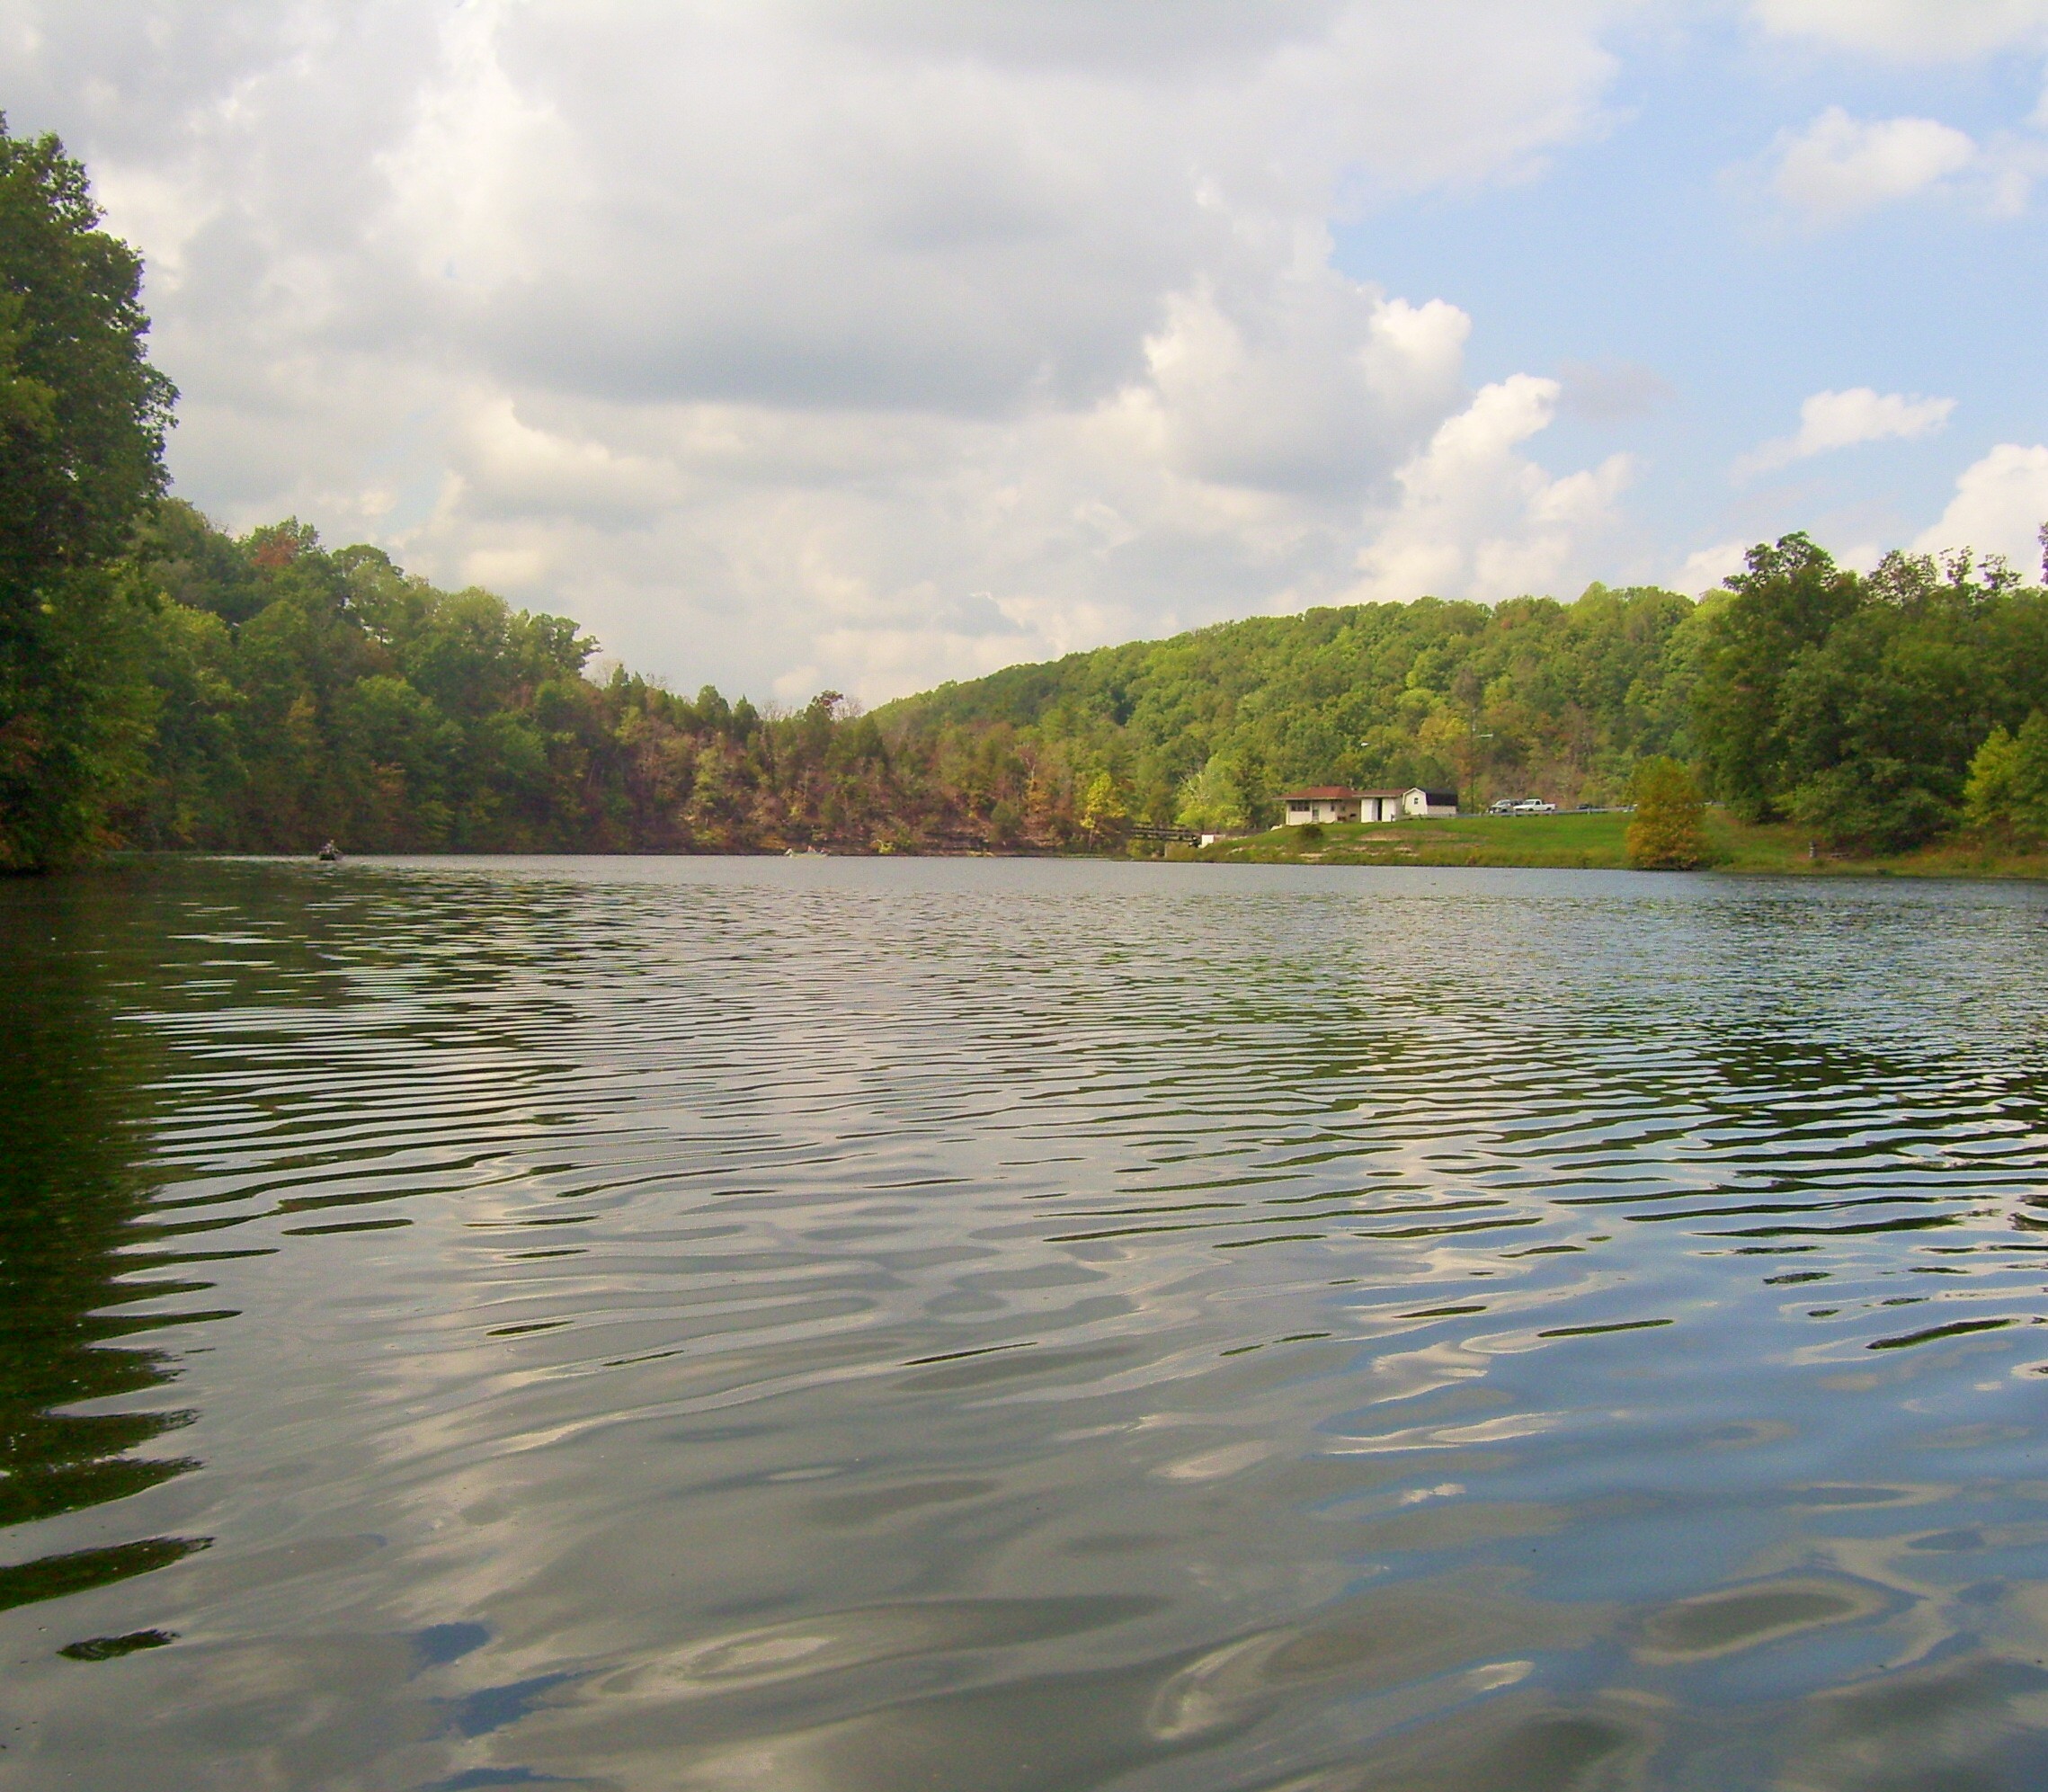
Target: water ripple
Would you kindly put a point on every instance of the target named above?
(1025, 1324)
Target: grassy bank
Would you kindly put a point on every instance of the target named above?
(1596, 842)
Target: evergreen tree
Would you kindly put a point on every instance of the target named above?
(1989, 793)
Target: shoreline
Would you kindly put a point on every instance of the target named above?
(1563, 842)
(1596, 842)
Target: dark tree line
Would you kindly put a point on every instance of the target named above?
(303, 693)
(1856, 705)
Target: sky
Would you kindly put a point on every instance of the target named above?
(791, 345)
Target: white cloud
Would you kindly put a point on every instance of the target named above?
(1321, 383)
(1706, 568)
(1476, 518)
(876, 342)
(1912, 30)
(2000, 503)
(1833, 420)
(515, 468)
(1839, 165)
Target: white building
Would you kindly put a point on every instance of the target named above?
(1333, 802)
(1434, 803)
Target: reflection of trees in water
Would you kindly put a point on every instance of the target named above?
(70, 1085)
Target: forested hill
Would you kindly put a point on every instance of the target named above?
(1208, 727)
(284, 694)
(298, 693)
(1877, 710)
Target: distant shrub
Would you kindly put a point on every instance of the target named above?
(1005, 824)
(1668, 831)
(1310, 833)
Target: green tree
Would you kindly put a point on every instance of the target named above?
(1668, 832)
(1879, 720)
(82, 422)
(1788, 601)
(1211, 800)
(2006, 791)
(1989, 793)
(1529, 694)
(195, 772)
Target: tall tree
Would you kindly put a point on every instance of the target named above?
(83, 416)
(1788, 602)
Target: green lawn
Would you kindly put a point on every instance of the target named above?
(1592, 843)
(1571, 840)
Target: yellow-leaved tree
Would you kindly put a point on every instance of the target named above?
(1669, 831)
(1103, 812)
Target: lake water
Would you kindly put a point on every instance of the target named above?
(830, 1325)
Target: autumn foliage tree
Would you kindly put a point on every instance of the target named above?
(1668, 832)
(1104, 815)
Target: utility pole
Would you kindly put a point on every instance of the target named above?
(1473, 737)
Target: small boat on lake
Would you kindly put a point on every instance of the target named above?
(330, 854)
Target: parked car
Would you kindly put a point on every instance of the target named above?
(1505, 806)
(1534, 805)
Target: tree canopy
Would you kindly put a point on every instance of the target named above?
(301, 692)
(296, 692)
(1854, 704)
(82, 422)
(1207, 728)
